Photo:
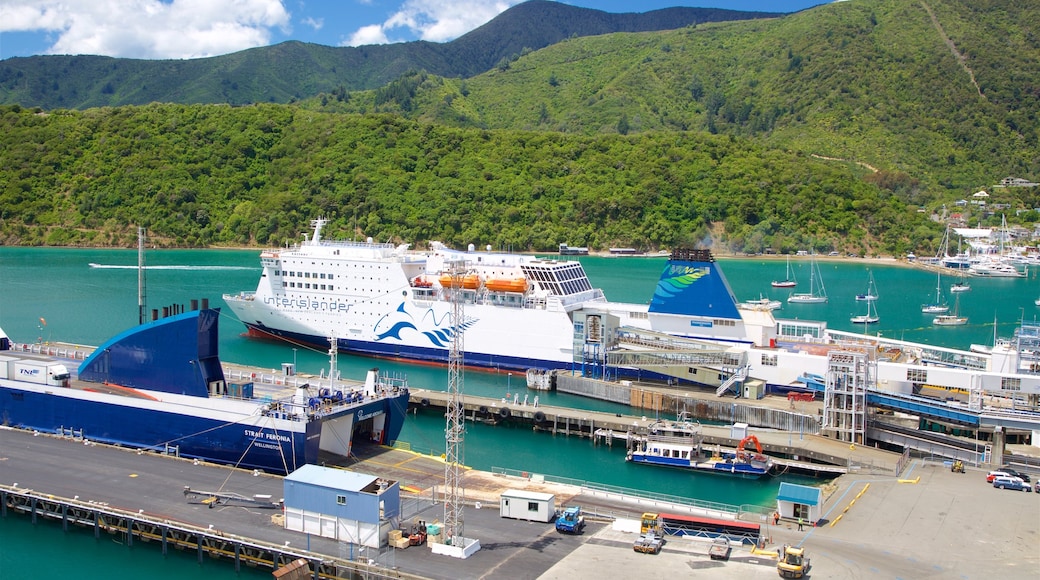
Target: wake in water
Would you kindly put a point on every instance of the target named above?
(174, 267)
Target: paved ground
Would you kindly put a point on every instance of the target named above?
(945, 525)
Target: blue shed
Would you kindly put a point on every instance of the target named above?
(799, 501)
(342, 505)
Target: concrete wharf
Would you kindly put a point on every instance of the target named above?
(875, 526)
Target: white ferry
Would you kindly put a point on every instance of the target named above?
(523, 312)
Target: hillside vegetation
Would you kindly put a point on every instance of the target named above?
(939, 95)
(203, 175)
(844, 127)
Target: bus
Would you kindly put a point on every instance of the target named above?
(701, 527)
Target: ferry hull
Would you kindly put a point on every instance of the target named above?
(129, 393)
(742, 470)
(400, 351)
(251, 441)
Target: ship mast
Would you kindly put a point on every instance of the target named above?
(142, 306)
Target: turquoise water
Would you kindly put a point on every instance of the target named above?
(54, 294)
(45, 552)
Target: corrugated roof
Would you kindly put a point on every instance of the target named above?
(802, 494)
(331, 478)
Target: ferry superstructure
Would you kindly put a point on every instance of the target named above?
(523, 312)
(161, 386)
(390, 301)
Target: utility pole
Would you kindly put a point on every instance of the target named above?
(142, 307)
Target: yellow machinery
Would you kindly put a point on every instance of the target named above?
(651, 522)
(792, 562)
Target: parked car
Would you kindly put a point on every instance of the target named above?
(1024, 477)
(1000, 473)
(1036, 487)
(1010, 483)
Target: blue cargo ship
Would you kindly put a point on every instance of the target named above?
(161, 387)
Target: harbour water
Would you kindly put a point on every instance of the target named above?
(87, 296)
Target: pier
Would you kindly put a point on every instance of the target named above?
(801, 451)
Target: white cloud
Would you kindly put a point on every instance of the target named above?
(371, 34)
(147, 28)
(315, 23)
(432, 20)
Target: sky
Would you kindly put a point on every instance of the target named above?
(182, 29)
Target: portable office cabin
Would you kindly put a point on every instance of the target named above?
(527, 505)
(341, 505)
(799, 501)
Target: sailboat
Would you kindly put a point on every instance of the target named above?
(815, 295)
(762, 303)
(960, 287)
(951, 319)
(870, 317)
(937, 307)
(871, 293)
(788, 281)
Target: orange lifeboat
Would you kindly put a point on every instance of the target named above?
(507, 284)
(469, 281)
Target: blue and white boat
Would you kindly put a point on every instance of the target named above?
(680, 444)
(162, 387)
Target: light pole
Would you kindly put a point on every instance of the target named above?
(509, 383)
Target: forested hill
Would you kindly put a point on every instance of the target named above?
(200, 175)
(293, 70)
(938, 95)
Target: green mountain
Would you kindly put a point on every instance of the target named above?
(830, 127)
(293, 70)
(199, 175)
(935, 94)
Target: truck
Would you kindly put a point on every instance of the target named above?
(648, 543)
(792, 562)
(719, 549)
(570, 521)
(34, 371)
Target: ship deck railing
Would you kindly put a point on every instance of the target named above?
(58, 350)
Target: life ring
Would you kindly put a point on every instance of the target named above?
(539, 416)
(504, 412)
(424, 403)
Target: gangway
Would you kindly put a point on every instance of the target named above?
(213, 498)
(739, 376)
